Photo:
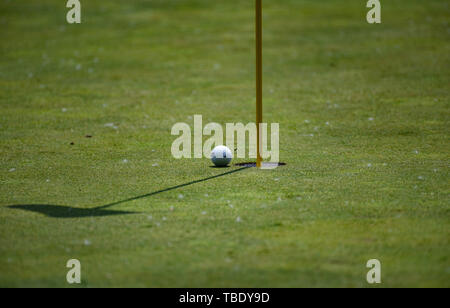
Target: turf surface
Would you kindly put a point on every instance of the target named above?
(364, 117)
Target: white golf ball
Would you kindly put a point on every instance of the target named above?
(221, 156)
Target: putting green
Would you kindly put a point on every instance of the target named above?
(364, 119)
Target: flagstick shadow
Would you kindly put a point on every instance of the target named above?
(59, 211)
(170, 188)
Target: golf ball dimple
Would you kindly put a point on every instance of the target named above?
(221, 156)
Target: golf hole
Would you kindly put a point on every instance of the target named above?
(253, 164)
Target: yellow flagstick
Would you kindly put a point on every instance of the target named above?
(258, 81)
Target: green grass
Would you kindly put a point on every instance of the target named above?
(364, 116)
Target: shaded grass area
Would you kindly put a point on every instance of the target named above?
(364, 117)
